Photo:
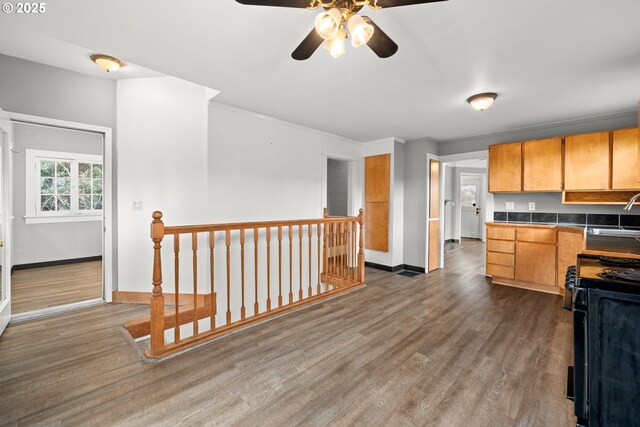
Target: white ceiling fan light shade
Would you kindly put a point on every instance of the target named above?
(360, 30)
(482, 101)
(106, 62)
(328, 23)
(335, 46)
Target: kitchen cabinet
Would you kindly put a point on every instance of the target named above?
(542, 165)
(536, 263)
(587, 161)
(625, 159)
(569, 246)
(505, 168)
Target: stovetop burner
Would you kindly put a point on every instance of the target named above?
(627, 275)
(619, 262)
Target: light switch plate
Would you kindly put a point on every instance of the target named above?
(532, 206)
(137, 205)
(509, 206)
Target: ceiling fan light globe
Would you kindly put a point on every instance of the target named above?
(328, 23)
(360, 30)
(335, 46)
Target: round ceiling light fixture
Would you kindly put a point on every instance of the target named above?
(107, 62)
(482, 101)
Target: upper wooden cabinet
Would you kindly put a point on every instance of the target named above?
(586, 162)
(542, 165)
(625, 159)
(505, 168)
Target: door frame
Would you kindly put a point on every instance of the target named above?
(353, 176)
(107, 236)
(483, 202)
(5, 307)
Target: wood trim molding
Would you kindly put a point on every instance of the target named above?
(130, 297)
(605, 197)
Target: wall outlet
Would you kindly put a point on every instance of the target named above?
(137, 205)
(509, 206)
(532, 206)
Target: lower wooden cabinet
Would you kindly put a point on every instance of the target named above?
(536, 263)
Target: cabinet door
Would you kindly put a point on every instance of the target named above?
(625, 159)
(586, 162)
(542, 165)
(505, 168)
(569, 246)
(536, 263)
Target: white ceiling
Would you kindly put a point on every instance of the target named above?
(549, 60)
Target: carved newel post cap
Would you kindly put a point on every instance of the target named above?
(157, 215)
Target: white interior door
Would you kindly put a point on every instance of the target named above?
(471, 207)
(5, 220)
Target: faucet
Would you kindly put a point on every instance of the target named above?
(631, 202)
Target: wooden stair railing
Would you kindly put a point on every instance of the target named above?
(325, 258)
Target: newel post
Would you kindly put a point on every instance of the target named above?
(325, 213)
(361, 250)
(325, 254)
(157, 298)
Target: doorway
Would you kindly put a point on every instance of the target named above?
(338, 187)
(5, 220)
(471, 206)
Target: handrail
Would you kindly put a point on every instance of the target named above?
(325, 257)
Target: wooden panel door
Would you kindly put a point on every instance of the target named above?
(586, 162)
(505, 168)
(542, 165)
(376, 235)
(625, 159)
(377, 170)
(433, 262)
(536, 263)
(569, 246)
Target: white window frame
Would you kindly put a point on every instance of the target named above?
(33, 214)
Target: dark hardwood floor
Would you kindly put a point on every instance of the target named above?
(446, 349)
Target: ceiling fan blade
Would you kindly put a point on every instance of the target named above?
(396, 3)
(301, 4)
(380, 42)
(308, 46)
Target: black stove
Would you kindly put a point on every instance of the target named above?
(604, 295)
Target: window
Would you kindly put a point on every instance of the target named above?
(63, 187)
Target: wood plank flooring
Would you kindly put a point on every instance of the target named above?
(444, 349)
(39, 288)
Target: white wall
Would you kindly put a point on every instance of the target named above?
(162, 161)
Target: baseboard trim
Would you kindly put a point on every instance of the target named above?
(54, 263)
(394, 268)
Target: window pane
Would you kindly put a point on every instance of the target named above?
(84, 203)
(97, 186)
(47, 203)
(84, 170)
(84, 186)
(63, 185)
(46, 186)
(47, 168)
(97, 171)
(63, 169)
(468, 195)
(64, 203)
(97, 202)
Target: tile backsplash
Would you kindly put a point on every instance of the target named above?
(609, 220)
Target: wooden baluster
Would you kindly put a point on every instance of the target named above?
(228, 243)
(309, 236)
(242, 308)
(319, 234)
(300, 292)
(361, 251)
(327, 230)
(279, 266)
(343, 253)
(212, 244)
(268, 268)
(255, 270)
(157, 298)
(334, 253)
(194, 248)
(176, 267)
(354, 232)
(290, 264)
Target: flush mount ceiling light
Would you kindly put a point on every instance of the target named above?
(106, 62)
(482, 101)
(339, 21)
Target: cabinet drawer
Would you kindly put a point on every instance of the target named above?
(500, 271)
(500, 259)
(501, 246)
(538, 235)
(501, 233)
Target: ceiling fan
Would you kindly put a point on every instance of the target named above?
(340, 20)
